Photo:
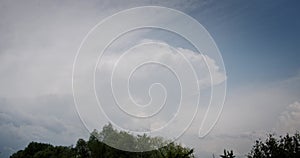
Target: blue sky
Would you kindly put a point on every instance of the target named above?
(259, 42)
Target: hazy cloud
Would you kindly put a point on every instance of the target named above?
(38, 43)
(289, 119)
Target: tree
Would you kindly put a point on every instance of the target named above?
(282, 147)
(32, 149)
(227, 154)
(173, 150)
(96, 147)
(82, 149)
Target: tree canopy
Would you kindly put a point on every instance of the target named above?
(96, 147)
(287, 146)
(283, 147)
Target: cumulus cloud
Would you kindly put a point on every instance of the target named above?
(133, 82)
(205, 67)
(289, 119)
(38, 43)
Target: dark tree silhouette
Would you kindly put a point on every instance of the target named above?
(227, 154)
(282, 147)
(42, 150)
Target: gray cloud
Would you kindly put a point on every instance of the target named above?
(38, 43)
(45, 118)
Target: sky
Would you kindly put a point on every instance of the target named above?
(258, 42)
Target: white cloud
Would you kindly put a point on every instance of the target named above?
(289, 119)
(250, 112)
(37, 46)
(168, 56)
(142, 79)
(38, 43)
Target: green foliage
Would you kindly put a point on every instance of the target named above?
(176, 151)
(82, 150)
(273, 147)
(126, 141)
(282, 147)
(41, 150)
(95, 147)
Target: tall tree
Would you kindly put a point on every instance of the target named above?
(82, 149)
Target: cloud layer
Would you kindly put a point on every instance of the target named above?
(38, 44)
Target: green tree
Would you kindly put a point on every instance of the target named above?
(95, 147)
(82, 150)
(31, 150)
(173, 150)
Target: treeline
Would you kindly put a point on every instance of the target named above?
(287, 146)
(96, 147)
